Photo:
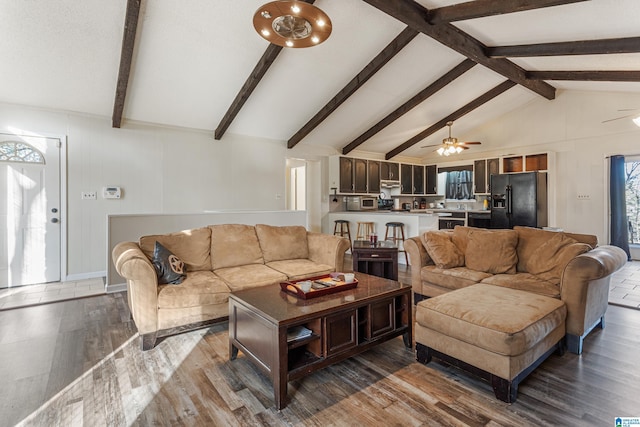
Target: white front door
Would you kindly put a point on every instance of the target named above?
(29, 210)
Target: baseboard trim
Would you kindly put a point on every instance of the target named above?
(83, 276)
(120, 287)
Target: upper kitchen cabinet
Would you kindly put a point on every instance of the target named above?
(431, 186)
(350, 175)
(360, 176)
(418, 179)
(346, 175)
(482, 171)
(373, 176)
(389, 171)
(406, 179)
(526, 163)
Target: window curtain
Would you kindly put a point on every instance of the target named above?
(459, 185)
(617, 193)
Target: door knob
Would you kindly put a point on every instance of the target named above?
(54, 210)
(55, 220)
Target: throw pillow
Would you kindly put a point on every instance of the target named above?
(442, 250)
(169, 268)
(492, 251)
(549, 259)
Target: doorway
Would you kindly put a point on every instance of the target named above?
(30, 233)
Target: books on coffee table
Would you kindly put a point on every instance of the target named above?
(298, 332)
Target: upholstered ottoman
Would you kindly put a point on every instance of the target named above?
(497, 333)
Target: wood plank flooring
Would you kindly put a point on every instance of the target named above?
(79, 363)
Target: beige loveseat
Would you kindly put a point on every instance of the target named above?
(219, 259)
(566, 266)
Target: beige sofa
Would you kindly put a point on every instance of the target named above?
(567, 266)
(219, 259)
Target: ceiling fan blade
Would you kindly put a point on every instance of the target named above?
(471, 143)
(432, 145)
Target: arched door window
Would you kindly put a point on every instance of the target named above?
(15, 151)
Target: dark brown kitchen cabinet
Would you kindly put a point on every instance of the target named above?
(480, 176)
(373, 176)
(406, 179)
(346, 175)
(360, 176)
(418, 179)
(493, 168)
(389, 171)
(431, 186)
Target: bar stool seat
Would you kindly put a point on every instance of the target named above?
(396, 236)
(364, 230)
(341, 228)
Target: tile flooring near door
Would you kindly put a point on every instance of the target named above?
(24, 296)
(625, 286)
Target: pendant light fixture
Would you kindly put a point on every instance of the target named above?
(292, 23)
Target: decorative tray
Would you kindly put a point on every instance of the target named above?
(322, 285)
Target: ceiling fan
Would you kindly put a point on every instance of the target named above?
(451, 145)
(633, 112)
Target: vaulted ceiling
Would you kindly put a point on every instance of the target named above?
(388, 79)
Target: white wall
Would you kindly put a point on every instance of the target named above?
(160, 170)
(571, 126)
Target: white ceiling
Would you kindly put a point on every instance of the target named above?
(192, 57)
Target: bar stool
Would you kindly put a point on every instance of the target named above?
(341, 228)
(365, 229)
(397, 235)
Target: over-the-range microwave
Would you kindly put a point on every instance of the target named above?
(360, 203)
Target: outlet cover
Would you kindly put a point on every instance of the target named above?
(584, 196)
(89, 195)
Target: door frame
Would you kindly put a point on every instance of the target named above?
(63, 188)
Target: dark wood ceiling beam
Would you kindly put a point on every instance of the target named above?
(581, 47)
(360, 79)
(416, 16)
(258, 72)
(126, 58)
(482, 99)
(425, 93)
(481, 8)
(594, 76)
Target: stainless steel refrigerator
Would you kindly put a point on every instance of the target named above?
(519, 199)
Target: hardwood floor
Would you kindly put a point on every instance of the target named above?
(79, 363)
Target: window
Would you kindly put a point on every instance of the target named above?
(632, 187)
(14, 151)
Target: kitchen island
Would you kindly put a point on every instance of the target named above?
(415, 222)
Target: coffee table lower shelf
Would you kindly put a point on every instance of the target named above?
(343, 325)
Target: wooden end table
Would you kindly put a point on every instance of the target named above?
(342, 325)
(378, 259)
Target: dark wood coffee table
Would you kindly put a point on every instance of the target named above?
(342, 325)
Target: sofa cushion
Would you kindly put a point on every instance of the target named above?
(249, 276)
(191, 246)
(460, 237)
(300, 268)
(549, 259)
(492, 251)
(233, 245)
(199, 288)
(530, 239)
(280, 243)
(525, 282)
(169, 268)
(443, 252)
(451, 278)
(499, 320)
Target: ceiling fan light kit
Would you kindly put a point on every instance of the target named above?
(292, 23)
(451, 145)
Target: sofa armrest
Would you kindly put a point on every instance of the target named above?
(419, 258)
(584, 286)
(327, 249)
(142, 284)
